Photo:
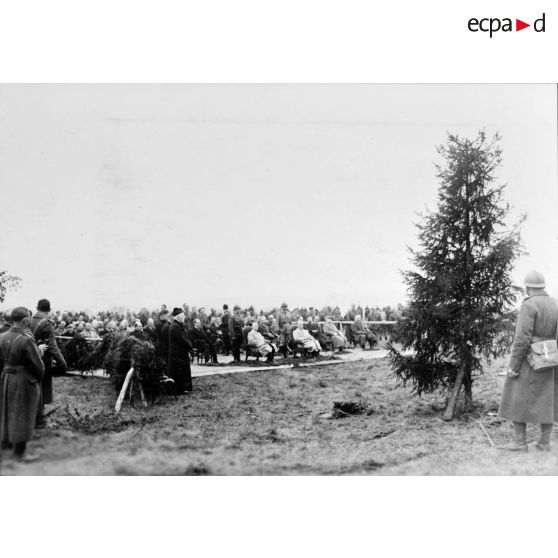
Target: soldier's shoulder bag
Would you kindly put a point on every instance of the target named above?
(543, 354)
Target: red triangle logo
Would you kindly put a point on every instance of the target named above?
(519, 25)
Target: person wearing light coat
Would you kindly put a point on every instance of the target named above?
(329, 329)
(257, 340)
(301, 335)
(531, 396)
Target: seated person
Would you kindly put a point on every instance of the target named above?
(256, 340)
(362, 334)
(338, 339)
(313, 327)
(301, 335)
(213, 330)
(202, 342)
(321, 337)
(270, 335)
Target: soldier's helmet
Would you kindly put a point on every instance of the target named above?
(535, 280)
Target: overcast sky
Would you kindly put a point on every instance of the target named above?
(142, 195)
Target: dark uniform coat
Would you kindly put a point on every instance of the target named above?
(225, 331)
(19, 385)
(43, 330)
(164, 340)
(533, 396)
(179, 357)
(236, 324)
(284, 319)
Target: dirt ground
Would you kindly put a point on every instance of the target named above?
(279, 422)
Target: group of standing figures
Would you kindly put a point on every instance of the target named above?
(27, 349)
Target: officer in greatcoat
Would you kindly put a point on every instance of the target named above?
(20, 383)
(179, 353)
(236, 323)
(284, 322)
(43, 330)
(531, 396)
(225, 329)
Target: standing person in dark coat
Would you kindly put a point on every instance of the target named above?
(6, 325)
(225, 329)
(163, 330)
(284, 319)
(236, 323)
(179, 353)
(43, 330)
(214, 335)
(162, 319)
(531, 396)
(20, 382)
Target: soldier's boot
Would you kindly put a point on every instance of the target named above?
(544, 441)
(21, 455)
(520, 443)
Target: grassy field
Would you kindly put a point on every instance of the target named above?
(278, 423)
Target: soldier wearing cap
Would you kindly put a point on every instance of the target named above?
(284, 319)
(236, 323)
(224, 327)
(20, 383)
(531, 396)
(43, 330)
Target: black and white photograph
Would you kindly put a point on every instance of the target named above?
(278, 279)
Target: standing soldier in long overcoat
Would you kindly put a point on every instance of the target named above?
(179, 353)
(531, 396)
(20, 382)
(225, 329)
(43, 330)
(236, 323)
(284, 323)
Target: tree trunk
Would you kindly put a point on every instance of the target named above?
(468, 385)
(450, 409)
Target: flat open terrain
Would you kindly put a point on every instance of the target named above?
(277, 422)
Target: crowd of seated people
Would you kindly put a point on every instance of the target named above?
(278, 331)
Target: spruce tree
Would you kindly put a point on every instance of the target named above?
(460, 293)
(7, 282)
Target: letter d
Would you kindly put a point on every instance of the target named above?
(536, 24)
